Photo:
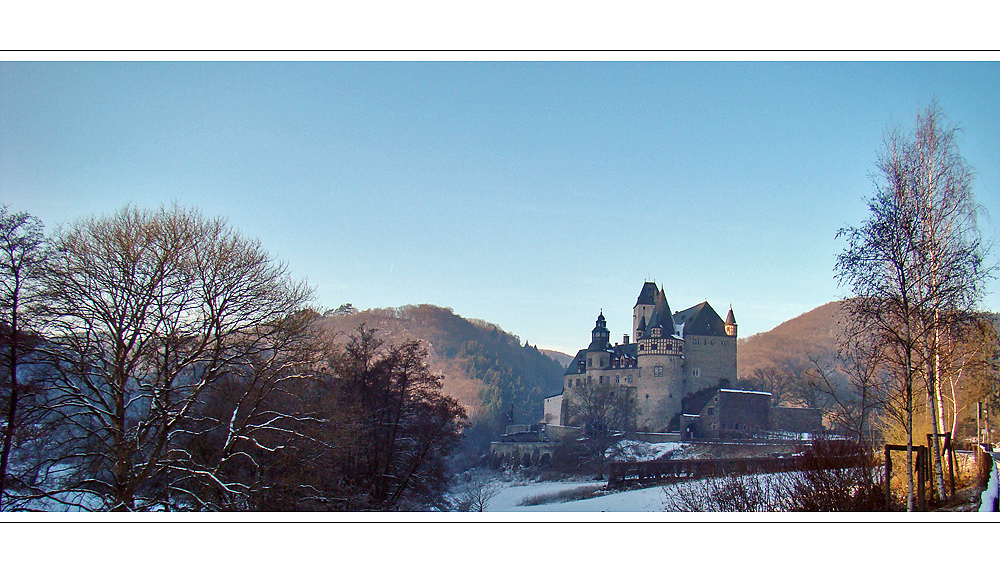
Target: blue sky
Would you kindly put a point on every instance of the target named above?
(529, 194)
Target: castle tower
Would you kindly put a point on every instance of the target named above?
(643, 309)
(731, 323)
(659, 387)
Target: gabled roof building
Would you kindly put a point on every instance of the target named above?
(673, 355)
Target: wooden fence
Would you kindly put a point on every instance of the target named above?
(626, 474)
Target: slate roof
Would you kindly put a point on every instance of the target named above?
(648, 294)
(574, 365)
(730, 317)
(600, 336)
(701, 320)
(661, 317)
(630, 350)
(694, 403)
(618, 351)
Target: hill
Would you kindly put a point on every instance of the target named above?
(561, 357)
(485, 368)
(791, 343)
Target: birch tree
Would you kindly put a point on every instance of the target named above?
(916, 262)
(951, 251)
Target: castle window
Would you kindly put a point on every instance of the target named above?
(713, 343)
(618, 379)
(723, 342)
(696, 372)
(696, 343)
(569, 383)
(711, 411)
(657, 371)
(647, 396)
(602, 362)
(590, 362)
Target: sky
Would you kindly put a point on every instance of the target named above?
(532, 195)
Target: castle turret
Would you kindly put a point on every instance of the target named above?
(643, 309)
(600, 337)
(661, 321)
(730, 323)
(600, 349)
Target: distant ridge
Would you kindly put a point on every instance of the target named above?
(561, 357)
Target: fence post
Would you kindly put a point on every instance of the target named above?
(888, 476)
(921, 477)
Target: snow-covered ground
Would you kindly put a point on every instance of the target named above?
(636, 451)
(509, 498)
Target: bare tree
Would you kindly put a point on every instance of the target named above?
(406, 426)
(150, 310)
(853, 406)
(254, 418)
(480, 487)
(607, 414)
(22, 257)
(779, 382)
(950, 251)
(916, 262)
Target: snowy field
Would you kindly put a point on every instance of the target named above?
(509, 498)
(514, 494)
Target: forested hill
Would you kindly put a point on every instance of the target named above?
(487, 369)
(791, 343)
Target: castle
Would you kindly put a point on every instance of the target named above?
(674, 356)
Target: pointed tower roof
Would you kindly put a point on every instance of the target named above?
(648, 294)
(661, 317)
(730, 317)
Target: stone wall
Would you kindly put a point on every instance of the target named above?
(522, 453)
(658, 398)
(796, 419)
(708, 360)
(552, 410)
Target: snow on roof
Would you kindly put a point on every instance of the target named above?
(744, 391)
